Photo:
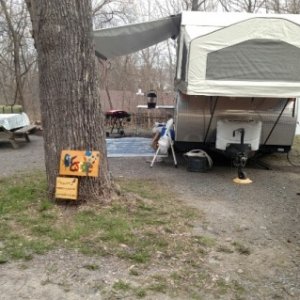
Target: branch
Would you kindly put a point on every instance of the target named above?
(225, 7)
(100, 6)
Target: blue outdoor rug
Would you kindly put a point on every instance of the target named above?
(129, 147)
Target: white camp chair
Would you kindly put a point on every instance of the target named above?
(164, 143)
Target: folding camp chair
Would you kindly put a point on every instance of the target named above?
(164, 143)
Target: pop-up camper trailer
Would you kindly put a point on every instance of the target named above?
(237, 78)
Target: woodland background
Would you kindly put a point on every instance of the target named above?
(122, 77)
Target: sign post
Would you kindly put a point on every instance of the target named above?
(75, 163)
(66, 188)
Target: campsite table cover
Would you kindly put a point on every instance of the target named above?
(13, 121)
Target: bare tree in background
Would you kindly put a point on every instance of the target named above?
(104, 67)
(110, 12)
(69, 94)
(145, 69)
(285, 6)
(197, 4)
(269, 6)
(243, 5)
(293, 7)
(16, 51)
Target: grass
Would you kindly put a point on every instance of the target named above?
(140, 293)
(145, 226)
(232, 288)
(293, 156)
(121, 285)
(295, 152)
(205, 241)
(296, 145)
(224, 249)
(134, 227)
(240, 248)
(91, 267)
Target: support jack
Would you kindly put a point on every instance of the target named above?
(240, 160)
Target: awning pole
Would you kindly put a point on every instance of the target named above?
(211, 118)
(275, 124)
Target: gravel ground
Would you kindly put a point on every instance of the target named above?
(29, 156)
(262, 216)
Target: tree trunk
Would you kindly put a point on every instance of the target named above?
(196, 5)
(105, 65)
(69, 93)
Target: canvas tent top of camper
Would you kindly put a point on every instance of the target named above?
(228, 54)
(243, 55)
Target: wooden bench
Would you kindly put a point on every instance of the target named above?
(7, 136)
(10, 136)
(24, 132)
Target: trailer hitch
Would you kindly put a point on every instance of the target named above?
(240, 158)
(242, 132)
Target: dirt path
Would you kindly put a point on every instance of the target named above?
(29, 156)
(261, 220)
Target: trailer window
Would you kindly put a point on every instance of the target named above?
(258, 60)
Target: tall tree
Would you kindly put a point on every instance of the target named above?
(69, 94)
(13, 54)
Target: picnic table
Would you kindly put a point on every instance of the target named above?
(13, 126)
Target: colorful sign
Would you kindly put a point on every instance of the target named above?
(79, 163)
(66, 188)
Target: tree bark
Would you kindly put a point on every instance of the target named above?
(69, 93)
